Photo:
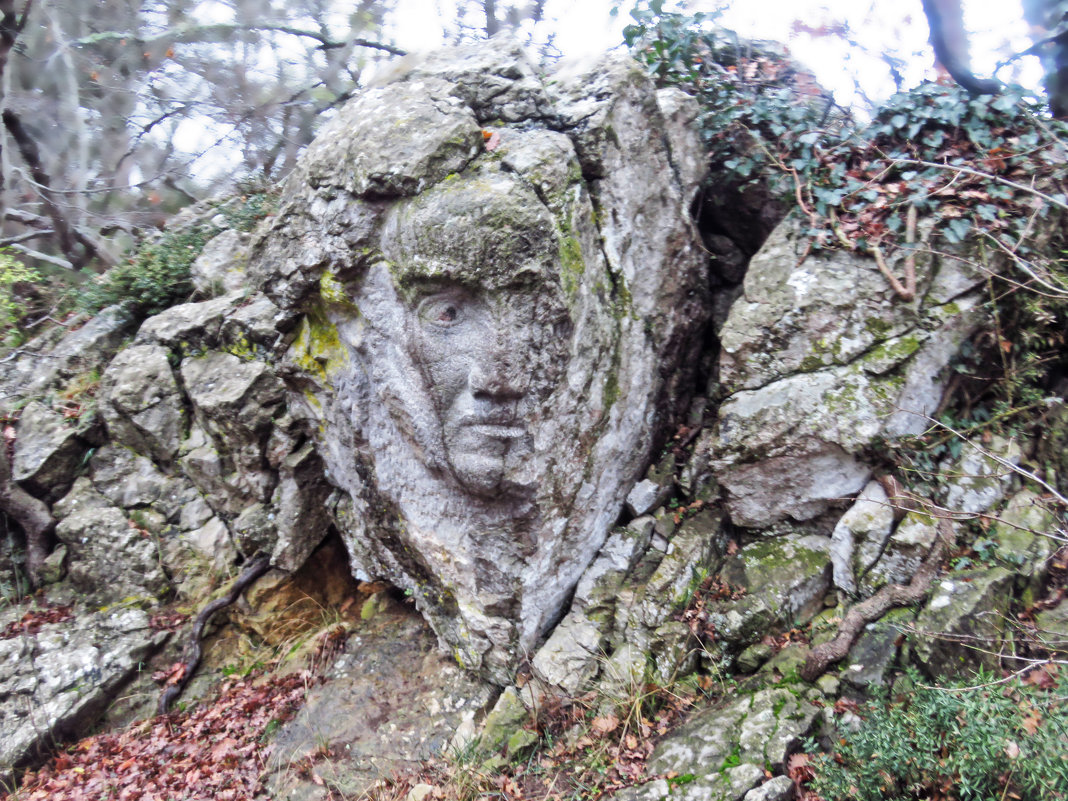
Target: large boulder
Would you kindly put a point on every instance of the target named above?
(60, 676)
(141, 403)
(820, 361)
(47, 450)
(488, 336)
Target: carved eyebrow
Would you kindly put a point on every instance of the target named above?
(419, 291)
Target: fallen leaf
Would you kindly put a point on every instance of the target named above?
(1032, 721)
(603, 725)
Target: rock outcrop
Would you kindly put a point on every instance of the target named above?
(478, 342)
(491, 324)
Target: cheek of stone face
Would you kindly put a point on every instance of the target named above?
(448, 371)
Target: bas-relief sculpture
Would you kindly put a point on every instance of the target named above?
(479, 339)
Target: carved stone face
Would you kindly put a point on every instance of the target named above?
(472, 347)
(476, 270)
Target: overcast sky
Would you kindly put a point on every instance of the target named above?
(899, 27)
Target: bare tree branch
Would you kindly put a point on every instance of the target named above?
(25, 217)
(36, 254)
(66, 237)
(950, 43)
(219, 32)
(12, 240)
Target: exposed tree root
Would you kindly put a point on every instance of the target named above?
(256, 568)
(892, 595)
(31, 513)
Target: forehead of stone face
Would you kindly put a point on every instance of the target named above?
(487, 230)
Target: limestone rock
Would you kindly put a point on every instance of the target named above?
(681, 112)
(47, 451)
(779, 788)
(220, 267)
(874, 653)
(724, 750)
(392, 700)
(81, 497)
(1025, 534)
(300, 504)
(131, 481)
(393, 141)
(109, 558)
(213, 542)
(904, 552)
(503, 721)
(82, 351)
(253, 328)
(644, 634)
(481, 336)
(784, 579)
(189, 327)
(54, 567)
(141, 403)
(573, 653)
(962, 623)
(1052, 627)
(235, 322)
(978, 480)
(235, 401)
(836, 308)
(497, 81)
(646, 496)
(860, 535)
(58, 681)
(821, 361)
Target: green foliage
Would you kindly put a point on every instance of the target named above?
(158, 274)
(969, 164)
(1002, 740)
(755, 104)
(983, 174)
(12, 272)
(155, 277)
(245, 212)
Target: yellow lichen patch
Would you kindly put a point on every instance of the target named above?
(333, 291)
(318, 348)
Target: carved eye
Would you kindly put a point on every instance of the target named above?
(441, 311)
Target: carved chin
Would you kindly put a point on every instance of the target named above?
(478, 473)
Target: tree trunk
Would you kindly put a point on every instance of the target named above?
(945, 18)
(1049, 17)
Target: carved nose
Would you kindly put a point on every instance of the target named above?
(493, 374)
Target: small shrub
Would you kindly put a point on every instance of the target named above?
(155, 277)
(1004, 740)
(12, 272)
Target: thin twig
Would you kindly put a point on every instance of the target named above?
(1061, 291)
(999, 459)
(910, 255)
(995, 682)
(12, 240)
(1048, 198)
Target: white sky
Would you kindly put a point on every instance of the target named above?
(586, 27)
